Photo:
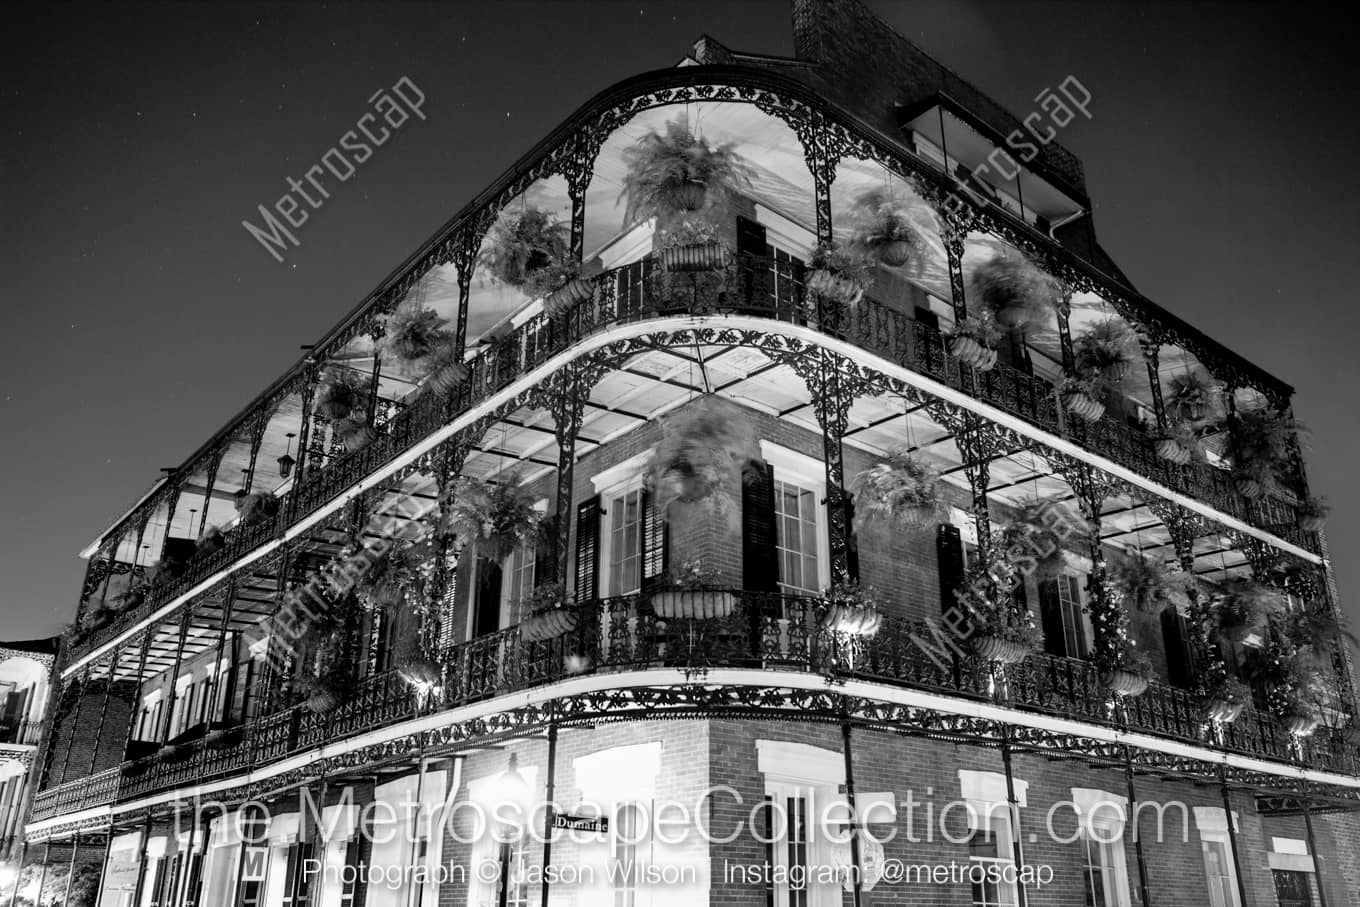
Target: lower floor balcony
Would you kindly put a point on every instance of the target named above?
(685, 652)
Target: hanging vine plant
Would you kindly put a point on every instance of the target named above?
(700, 456)
(1240, 607)
(498, 516)
(841, 275)
(900, 491)
(1001, 629)
(1149, 586)
(884, 228)
(974, 341)
(328, 677)
(1015, 290)
(1124, 669)
(675, 171)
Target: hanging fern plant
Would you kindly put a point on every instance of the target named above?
(496, 516)
(341, 391)
(1149, 586)
(1312, 514)
(884, 228)
(701, 454)
(1259, 445)
(524, 248)
(1193, 398)
(1035, 541)
(421, 340)
(1240, 607)
(900, 491)
(675, 171)
(1105, 348)
(841, 274)
(1015, 290)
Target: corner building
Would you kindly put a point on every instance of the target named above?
(234, 725)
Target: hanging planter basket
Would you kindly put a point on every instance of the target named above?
(1223, 711)
(999, 649)
(355, 435)
(895, 252)
(693, 604)
(548, 624)
(223, 738)
(706, 256)
(1249, 488)
(1084, 406)
(689, 196)
(972, 353)
(1172, 451)
(1312, 515)
(853, 619)
(258, 508)
(1301, 724)
(1122, 682)
(446, 378)
(560, 301)
(835, 287)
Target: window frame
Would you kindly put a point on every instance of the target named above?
(808, 474)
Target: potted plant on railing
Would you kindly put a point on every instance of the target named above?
(497, 516)
(851, 611)
(1224, 698)
(884, 228)
(420, 339)
(210, 542)
(1239, 607)
(700, 456)
(675, 171)
(561, 284)
(1128, 672)
(1193, 398)
(1260, 447)
(900, 491)
(1083, 395)
(1016, 291)
(1312, 514)
(1149, 586)
(839, 274)
(694, 244)
(1178, 444)
(688, 591)
(974, 341)
(549, 614)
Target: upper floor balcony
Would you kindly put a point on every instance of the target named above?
(284, 464)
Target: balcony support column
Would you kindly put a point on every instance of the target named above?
(75, 722)
(569, 391)
(1232, 832)
(1312, 843)
(549, 792)
(1109, 620)
(1151, 347)
(464, 255)
(173, 698)
(855, 823)
(214, 464)
(1013, 808)
(1184, 527)
(18, 872)
(136, 687)
(71, 868)
(172, 504)
(104, 709)
(979, 443)
(215, 684)
(304, 438)
(259, 421)
(833, 393)
(1132, 822)
(578, 172)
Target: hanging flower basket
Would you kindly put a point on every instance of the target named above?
(971, 353)
(524, 248)
(1000, 649)
(1016, 291)
(701, 454)
(446, 378)
(675, 171)
(322, 701)
(1223, 711)
(1124, 682)
(339, 393)
(884, 227)
(900, 490)
(211, 542)
(1105, 348)
(1172, 451)
(549, 624)
(1241, 607)
(851, 611)
(1084, 406)
(499, 516)
(840, 275)
(1193, 398)
(708, 256)
(564, 298)
(835, 287)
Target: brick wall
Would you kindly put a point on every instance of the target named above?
(81, 743)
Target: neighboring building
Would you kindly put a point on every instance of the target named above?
(243, 669)
(25, 685)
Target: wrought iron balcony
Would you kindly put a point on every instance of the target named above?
(777, 634)
(748, 286)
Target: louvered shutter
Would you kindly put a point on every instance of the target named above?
(759, 554)
(487, 606)
(753, 253)
(949, 558)
(1051, 618)
(655, 540)
(1180, 655)
(587, 550)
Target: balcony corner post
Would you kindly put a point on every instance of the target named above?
(833, 393)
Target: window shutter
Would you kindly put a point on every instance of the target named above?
(1180, 655)
(949, 558)
(759, 556)
(655, 538)
(545, 553)
(1051, 618)
(926, 317)
(753, 252)
(587, 550)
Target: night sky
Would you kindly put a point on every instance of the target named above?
(140, 316)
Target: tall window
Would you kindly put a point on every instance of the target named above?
(512, 883)
(1106, 878)
(624, 538)
(990, 846)
(628, 832)
(519, 581)
(1219, 871)
(296, 880)
(1292, 888)
(1067, 629)
(796, 537)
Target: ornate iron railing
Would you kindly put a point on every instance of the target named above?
(747, 285)
(771, 632)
